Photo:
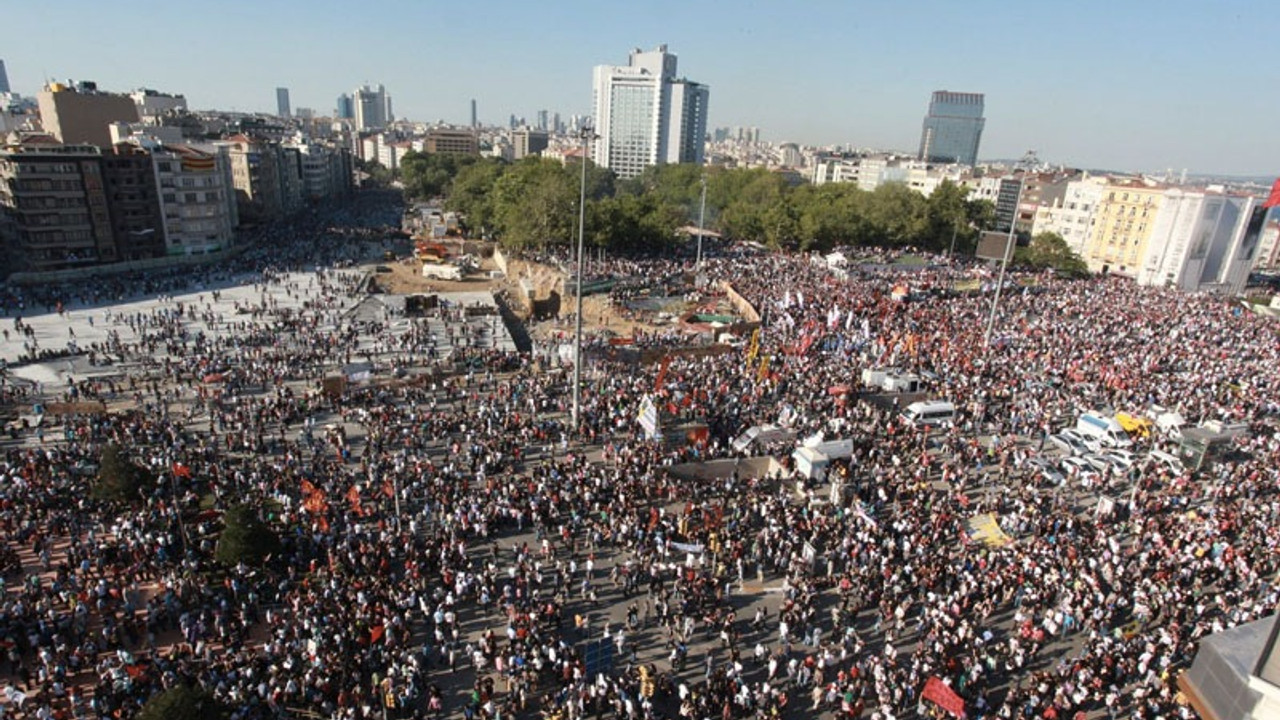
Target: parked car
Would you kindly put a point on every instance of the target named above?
(1092, 444)
(1068, 445)
(1047, 470)
(1167, 460)
(1123, 458)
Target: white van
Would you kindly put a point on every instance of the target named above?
(934, 412)
(1105, 429)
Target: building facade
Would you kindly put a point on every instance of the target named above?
(130, 183)
(454, 141)
(953, 128)
(1072, 217)
(371, 108)
(526, 142)
(1201, 240)
(197, 198)
(644, 115)
(55, 199)
(1123, 226)
(282, 103)
(80, 115)
(153, 105)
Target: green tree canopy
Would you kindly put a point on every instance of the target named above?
(472, 193)
(183, 702)
(428, 175)
(535, 204)
(119, 478)
(1050, 250)
(245, 538)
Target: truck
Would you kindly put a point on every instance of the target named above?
(441, 271)
(1104, 428)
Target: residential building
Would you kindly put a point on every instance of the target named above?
(953, 128)
(1072, 216)
(134, 203)
(197, 197)
(1123, 226)
(456, 141)
(326, 171)
(527, 142)
(153, 105)
(56, 203)
(1201, 240)
(282, 103)
(644, 115)
(256, 174)
(79, 115)
(391, 153)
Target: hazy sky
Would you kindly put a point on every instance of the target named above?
(1124, 84)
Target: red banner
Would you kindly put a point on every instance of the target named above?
(1274, 198)
(940, 694)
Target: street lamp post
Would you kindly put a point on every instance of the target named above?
(1004, 265)
(702, 216)
(586, 134)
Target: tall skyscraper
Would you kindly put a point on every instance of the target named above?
(372, 107)
(953, 128)
(282, 102)
(644, 115)
(346, 109)
(4, 79)
(542, 119)
(473, 114)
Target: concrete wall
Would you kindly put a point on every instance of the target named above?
(740, 304)
(58, 276)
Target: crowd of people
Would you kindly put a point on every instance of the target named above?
(457, 544)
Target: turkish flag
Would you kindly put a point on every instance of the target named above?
(940, 694)
(1274, 199)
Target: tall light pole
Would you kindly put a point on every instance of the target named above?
(1004, 265)
(586, 134)
(702, 216)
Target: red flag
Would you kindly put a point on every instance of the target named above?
(1274, 199)
(388, 489)
(940, 694)
(662, 373)
(180, 470)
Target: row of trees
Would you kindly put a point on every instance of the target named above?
(534, 203)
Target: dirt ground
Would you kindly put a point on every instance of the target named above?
(405, 278)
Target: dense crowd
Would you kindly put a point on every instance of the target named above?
(452, 544)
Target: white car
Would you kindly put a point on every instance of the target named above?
(1123, 458)
(1167, 460)
(1078, 465)
(1091, 443)
(1100, 462)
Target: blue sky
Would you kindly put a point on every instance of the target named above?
(1127, 84)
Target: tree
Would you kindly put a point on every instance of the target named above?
(947, 214)
(535, 204)
(471, 193)
(183, 702)
(119, 478)
(245, 538)
(1050, 250)
(427, 176)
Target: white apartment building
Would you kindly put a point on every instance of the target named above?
(197, 198)
(1073, 216)
(1199, 241)
(644, 115)
(872, 171)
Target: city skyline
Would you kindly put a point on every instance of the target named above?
(1087, 85)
